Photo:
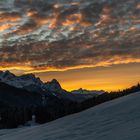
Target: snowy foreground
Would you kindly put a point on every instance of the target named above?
(115, 120)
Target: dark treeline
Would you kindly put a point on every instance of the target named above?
(13, 116)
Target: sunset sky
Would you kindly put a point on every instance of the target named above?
(93, 44)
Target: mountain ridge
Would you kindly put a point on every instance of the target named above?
(32, 83)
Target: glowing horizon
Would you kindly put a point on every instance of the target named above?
(109, 78)
(68, 37)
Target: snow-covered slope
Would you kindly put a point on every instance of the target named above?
(115, 120)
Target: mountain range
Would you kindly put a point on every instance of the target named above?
(33, 84)
(22, 97)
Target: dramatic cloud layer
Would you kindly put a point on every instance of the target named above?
(44, 35)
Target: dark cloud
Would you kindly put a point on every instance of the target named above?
(26, 28)
(71, 34)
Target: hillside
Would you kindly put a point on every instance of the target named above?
(118, 120)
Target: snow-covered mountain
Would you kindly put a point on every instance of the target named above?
(20, 81)
(29, 82)
(53, 86)
(118, 120)
(84, 91)
(34, 84)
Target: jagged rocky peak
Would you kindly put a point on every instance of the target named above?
(20, 81)
(6, 74)
(28, 76)
(31, 77)
(53, 85)
(29, 81)
(55, 81)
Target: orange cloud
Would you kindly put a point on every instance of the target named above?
(105, 17)
(86, 23)
(39, 19)
(28, 68)
(138, 6)
(72, 19)
(26, 28)
(6, 26)
(30, 13)
(9, 17)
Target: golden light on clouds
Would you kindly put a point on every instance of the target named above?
(45, 36)
(138, 6)
(6, 26)
(31, 13)
(28, 68)
(110, 78)
(9, 17)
